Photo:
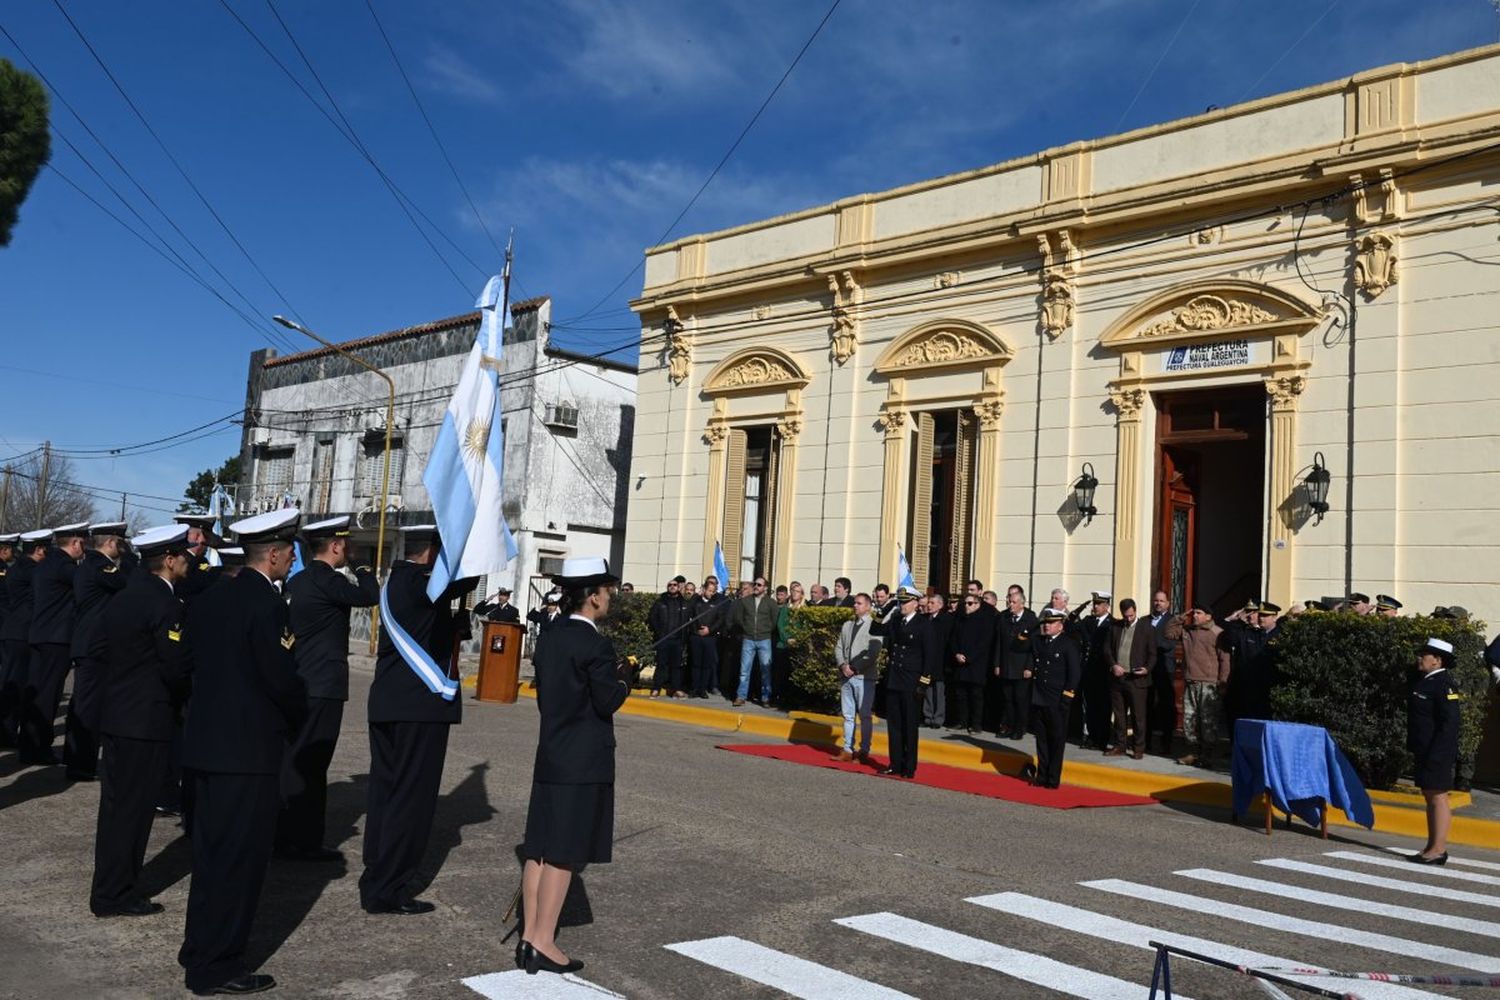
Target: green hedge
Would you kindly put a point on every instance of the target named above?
(1351, 674)
(626, 626)
(812, 634)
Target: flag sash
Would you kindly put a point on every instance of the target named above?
(422, 664)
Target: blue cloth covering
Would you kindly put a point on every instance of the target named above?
(1300, 766)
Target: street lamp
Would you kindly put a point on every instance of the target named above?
(385, 472)
(1083, 493)
(1317, 487)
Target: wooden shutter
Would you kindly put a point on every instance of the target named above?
(768, 513)
(963, 502)
(734, 501)
(921, 501)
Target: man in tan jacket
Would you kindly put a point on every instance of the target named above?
(1206, 668)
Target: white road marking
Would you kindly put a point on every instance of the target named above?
(1407, 866)
(1467, 862)
(1140, 935)
(791, 975)
(1296, 925)
(1283, 890)
(1036, 969)
(1400, 885)
(517, 985)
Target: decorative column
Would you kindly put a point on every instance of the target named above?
(717, 438)
(987, 482)
(892, 422)
(1284, 391)
(1128, 403)
(789, 428)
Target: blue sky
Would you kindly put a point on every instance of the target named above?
(585, 124)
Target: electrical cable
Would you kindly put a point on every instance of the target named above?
(1157, 65)
(722, 160)
(98, 492)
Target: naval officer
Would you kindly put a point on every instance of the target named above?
(413, 701)
(1432, 724)
(146, 661)
(320, 598)
(247, 701)
(105, 568)
(1057, 666)
(53, 615)
(10, 684)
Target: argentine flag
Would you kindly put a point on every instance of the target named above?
(220, 507)
(903, 571)
(464, 475)
(721, 568)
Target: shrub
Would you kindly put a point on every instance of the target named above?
(812, 634)
(626, 627)
(1351, 674)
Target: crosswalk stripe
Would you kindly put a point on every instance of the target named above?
(1296, 925)
(791, 975)
(1109, 928)
(1036, 969)
(1400, 885)
(1283, 890)
(1407, 866)
(1467, 862)
(517, 985)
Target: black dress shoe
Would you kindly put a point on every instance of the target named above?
(889, 772)
(168, 811)
(134, 908)
(251, 983)
(1422, 859)
(409, 908)
(534, 961)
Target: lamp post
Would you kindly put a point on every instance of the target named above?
(385, 472)
(1083, 493)
(1317, 487)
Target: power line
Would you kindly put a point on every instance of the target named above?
(145, 123)
(99, 492)
(722, 160)
(1157, 65)
(1300, 39)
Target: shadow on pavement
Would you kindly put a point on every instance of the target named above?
(36, 783)
(467, 805)
(1254, 821)
(171, 864)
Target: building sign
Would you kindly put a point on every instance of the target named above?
(1198, 357)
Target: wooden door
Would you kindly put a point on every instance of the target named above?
(1178, 533)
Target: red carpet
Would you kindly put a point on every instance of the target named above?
(954, 779)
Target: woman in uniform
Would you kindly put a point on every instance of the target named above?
(570, 822)
(1432, 737)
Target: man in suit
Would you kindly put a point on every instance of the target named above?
(500, 609)
(1132, 648)
(842, 596)
(20, 559)
(1014, 632)
(1056, 669)
(53, 616)
(972, 655)
(413, 704)
(755, 617)
(935, 698)
(858, 656)
(1161, 700)
(146, 659)
(910, 660)
(319, 598)
(707, 610)
(668, 620)
(106, 567)
(247, 702)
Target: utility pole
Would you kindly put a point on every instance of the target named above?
(5, 499)
(122, 505)
(41, 487)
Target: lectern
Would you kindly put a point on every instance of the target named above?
(500, 662)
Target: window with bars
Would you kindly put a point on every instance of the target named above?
(372, 464)
(273, 470)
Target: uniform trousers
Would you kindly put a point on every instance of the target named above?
(1129, 696)
(1015, 714)
(81, 738)
(234, 824)
(44, 686)
(1051, 725)
(968, 704)
(705, 653)
(1096, 704)
(15, 658)
(406, 767)
(902, 710)
(668, 666)
(1161, 706)
(304, 777)
(128, 780)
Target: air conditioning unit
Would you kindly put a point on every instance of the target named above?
(561, 415)
(260, 436)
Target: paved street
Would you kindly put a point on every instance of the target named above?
(742, 877)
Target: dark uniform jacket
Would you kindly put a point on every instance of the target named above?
(497, 613)
(544, 619)
(96, 581)
(53, 612)
(149, 660)
(668, 618)
(910, 652)
(974, 637)
(247, 696)
(1140, 656)
(1014, 650)
(942, 637)
(577, 693)
(1432, 719)
(19, 600)
(199, 578)
(319, 599)
(1057, 667)
(1164, 657)
(4, 597)
(397, 694)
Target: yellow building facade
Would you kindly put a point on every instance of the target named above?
(1198, 315)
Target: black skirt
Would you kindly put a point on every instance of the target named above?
(570, 824)
(1435, 773)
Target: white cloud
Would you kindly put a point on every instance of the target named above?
(449, 73)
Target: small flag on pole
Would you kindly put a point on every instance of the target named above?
(903, 571)
(721, 568)
(220, 506)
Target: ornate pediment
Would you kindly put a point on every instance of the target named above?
(756, 369)
(1208, 311)
(944, 344)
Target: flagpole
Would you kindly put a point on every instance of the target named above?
(385, 472)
